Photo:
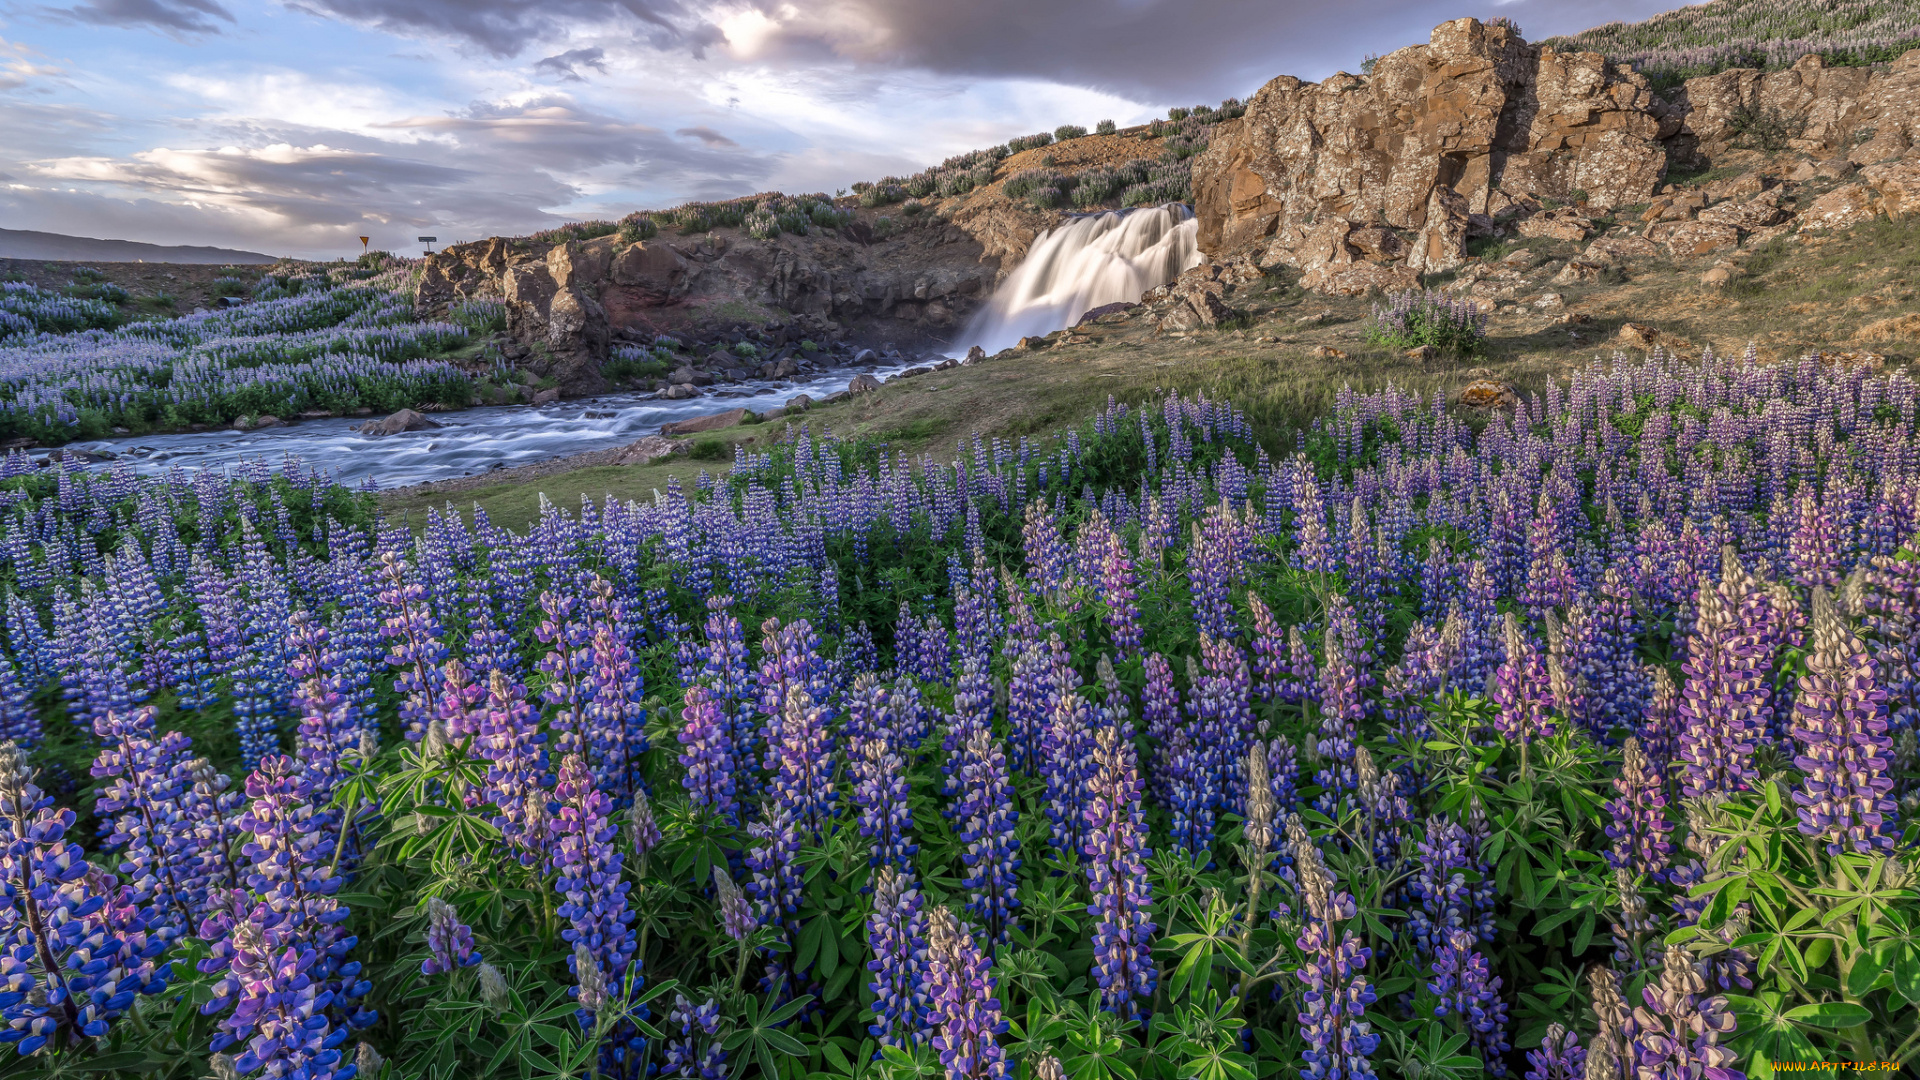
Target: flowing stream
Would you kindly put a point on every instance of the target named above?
(467, 442)
(1098, 259)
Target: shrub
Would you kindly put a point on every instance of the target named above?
(1030, 142)
(1069, 131)
(882, 227)
(1046, 198)
(1024, 182)
(226, 285)
(957, 182)
(912, 207)
(882, 194)
(88, 275)
(762, 225)
(481, 317)
(922, 184)
(1763, 127)
(1414, 318)
(1105, 127)
(1177, 114)
(828, 216)
(626, 363)
(637, 227)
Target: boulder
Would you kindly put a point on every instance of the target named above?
(1898, 186)
(1488, 393)
(648, 449)
(1843, 207)
(1578, 272)
(546, 397)
(786, 368)
(267, 421)
(1639, 336)
(681, 392)
(1567, 224)
(976, 354)
(1609, 249)
(1378, 243)
(395, 423)
(799, 403)
(1442, 242)
(681, 376)
(862, 384)
(1745, 216)
(1717, 278)
(1359, 279)
(1691, 239)
(710, 422)
(1328, 352)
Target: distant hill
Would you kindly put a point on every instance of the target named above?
(24, 244)
(1707, 38)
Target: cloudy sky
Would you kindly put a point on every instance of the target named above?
(295, 126)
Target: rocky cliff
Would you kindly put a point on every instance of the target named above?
(572, 299)
(1369, 182)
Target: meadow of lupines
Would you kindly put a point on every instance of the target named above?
(1702, 39)
(304, 346)
(1572, 742)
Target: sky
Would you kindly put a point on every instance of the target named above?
(293, 127)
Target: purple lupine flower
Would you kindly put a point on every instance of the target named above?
(19, 719)
(897, 934)
(1215, 560)
(1189, 794)
(1720, 715)
(1813, 551)
(1840, 724)
(148, 778)
(1678, 1031)
(1447, 902)
(1521, 688)
(985, 821)
(1560, 1057)
(790, 660)
(685, 1057)
(566, 670)
(1339, 1041)
(880, 790)
(776, 885)
(802, 754)
(1160, 714)
(734, 911)
(275, 1003)
(962, 1011)
(1116, 838)
(1639, 824)
(511, 742)
(594, 903)
(1340, 712)
(292, 869)
(1660, 727)
(1466, 989)
(1105, 556)
(706, 733)
(1049, 559)
(1033, 690)
(449, 941)
(417, 650)
(1269, 651)
(74, 947)
(1066, 763)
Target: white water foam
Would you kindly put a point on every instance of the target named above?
(1090, 261)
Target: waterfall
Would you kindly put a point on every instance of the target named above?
(1086, 263)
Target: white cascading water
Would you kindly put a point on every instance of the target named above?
(1086, 263)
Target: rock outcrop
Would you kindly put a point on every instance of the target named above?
(1437, 141)
(566, 302)
(1367, 182)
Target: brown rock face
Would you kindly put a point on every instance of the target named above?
(1690, 239)
(1843, 207)
(1472, 132)
(1477, 121)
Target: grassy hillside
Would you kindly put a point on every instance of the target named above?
(1706, 38)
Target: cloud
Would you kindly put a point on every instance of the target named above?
(505, 27)
(567, 65)
(489, 168)
(1159, 50)
(706, 135)
(171, 16)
